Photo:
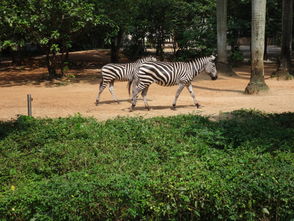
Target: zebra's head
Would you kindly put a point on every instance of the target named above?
(210, 68)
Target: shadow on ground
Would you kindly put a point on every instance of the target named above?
(84, 66)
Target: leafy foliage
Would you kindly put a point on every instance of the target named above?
(55, 28)
(52, 25)
(198, 37)
(133, 24)
(183, 167)
(189, 24)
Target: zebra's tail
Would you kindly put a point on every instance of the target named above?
(101, 83)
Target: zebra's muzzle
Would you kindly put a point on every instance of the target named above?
(213, 77)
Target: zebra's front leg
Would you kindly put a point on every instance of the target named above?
(190, 89)
(101, 88)
(134, 86)
(134, 98)
(111, 89)
(144, 93)
(179, 90)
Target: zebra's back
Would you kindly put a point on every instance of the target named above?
(123, 72)
(162, 73)
(115, 72)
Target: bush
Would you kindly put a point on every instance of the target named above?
(174, 168)
(134, 51)
(186, 55)
(236, 57)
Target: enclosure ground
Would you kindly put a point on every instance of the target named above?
(77, 92)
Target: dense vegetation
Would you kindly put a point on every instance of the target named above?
(183, 167)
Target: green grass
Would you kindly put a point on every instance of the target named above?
(175, 168)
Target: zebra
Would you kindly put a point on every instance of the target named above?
(172, 73)
(121, 72)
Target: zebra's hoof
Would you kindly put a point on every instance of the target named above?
(117, 102)
(173, 107)
(132, 108)
(97, 103)
(198, 105)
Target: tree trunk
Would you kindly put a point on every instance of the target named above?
(222, 58)
(265, 55)
(51, 65)
(174, 44)
(160, 43)
(257, 82)
(17, 56)
(115, 46)
(62, 64)
(284, 68)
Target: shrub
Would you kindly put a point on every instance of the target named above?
(236, 57)
(173, 168)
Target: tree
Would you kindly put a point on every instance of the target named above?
(156, 18)
(239, 22)
(54, 29)
(119, 14)
(284, 67)
(13, 24)
(57, 25)
(195, 28)
(257, 82)
(273, 23)
(222, 58)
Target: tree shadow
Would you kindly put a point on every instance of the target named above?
(83, 66)
(250, 130)
(7, 80)
(120, 101)
(246, 76)
(158, 107)
(114, 102)
(217, 89)
(271, 132)
(37, 76)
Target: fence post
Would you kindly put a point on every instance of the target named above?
(29, 100)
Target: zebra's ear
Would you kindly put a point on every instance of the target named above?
(212, 58)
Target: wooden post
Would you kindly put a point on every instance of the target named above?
(29, 101)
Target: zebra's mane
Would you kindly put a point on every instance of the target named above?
(205, 58)
(143, 59)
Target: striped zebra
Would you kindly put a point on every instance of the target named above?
(121, 72)
(172, 73)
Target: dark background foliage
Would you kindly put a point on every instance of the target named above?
(130, 24)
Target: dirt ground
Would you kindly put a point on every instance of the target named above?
(77, 93)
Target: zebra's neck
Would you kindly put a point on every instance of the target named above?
(197, 65)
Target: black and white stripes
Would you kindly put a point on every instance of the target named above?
(121, 72)
(172, 73)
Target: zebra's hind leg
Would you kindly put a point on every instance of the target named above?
(144, 93)
(101, 88)
(190, 89)
(111, 89)
(179, 90)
